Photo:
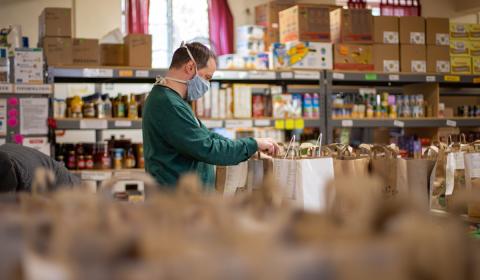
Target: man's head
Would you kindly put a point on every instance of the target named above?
(8, 177)
(204, 58)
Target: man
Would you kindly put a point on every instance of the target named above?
(175, 141)
(18, 165)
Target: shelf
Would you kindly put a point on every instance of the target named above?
(26, 89)
(373, 77)
(101, 124)
(406, 122)
(100, 175)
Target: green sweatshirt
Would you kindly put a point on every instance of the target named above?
(176, 142)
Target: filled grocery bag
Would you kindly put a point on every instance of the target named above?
(472, 179)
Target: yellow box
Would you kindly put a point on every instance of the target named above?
(474, 32)
(459, 47)
(461, 64)
(474, 48)
(476, 65)
(458, 30)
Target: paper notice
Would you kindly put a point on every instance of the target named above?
(33, 116)
(3, 117)
(38, 143)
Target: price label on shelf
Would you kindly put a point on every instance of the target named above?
(262, 75)
(289, 124)
(121, 123)
(213, 123)
(280, 124)
(398, 123)
(93, 124)
(141, 73)
(307, 75)
(347, 123)
(286, 75)
(451, 78)
(371, 77)
(238, 123)
(338, 76)
(33, 89)
(394, 77)
(96, 175)
(430, 78)
(299, 124)
(6, 88)
(451, 123)
(262, 123)
(125, 73)
(97, 73)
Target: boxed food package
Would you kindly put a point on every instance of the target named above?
(474, 32)
(86, 52)
(438, 31)
(27, 66)
(259, 61)
(353, 57)
(250, 39)
(242, 101)
(476, 65)
(412, 30)
(474, 48)
(385, 30)
(386, 58)
(438, 59)
(4, 66)
(278, 56)
(266, 15)
(461, 64)
(55, 22)
(305, 23)
(458, 31)
(459, 47)
(413, 59)
(138, 50)
(57, 50)
(351, 26)
(309, 55)
(112, 54)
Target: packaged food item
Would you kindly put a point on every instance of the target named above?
(80, 162)
(309, 55)
(89, 162)
(89, 110)
(258, 106)
(132, 108)
(118, 158)
(307, 105)
(278, 57)
(315, 105)
(130, 159)
(100, 108)
(76, 106)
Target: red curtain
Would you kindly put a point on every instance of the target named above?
(221, 26)
(400, 8)
(137, 16)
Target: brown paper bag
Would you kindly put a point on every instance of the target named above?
(438, 178)
(418, 176)
(472, 176)
(345, 164)
(392, 170)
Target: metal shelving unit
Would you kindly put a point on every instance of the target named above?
(349, 82)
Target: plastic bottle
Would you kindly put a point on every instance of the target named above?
(108, 107)
(315, 106)
(307, 106)
(132, 108)
(100, 108)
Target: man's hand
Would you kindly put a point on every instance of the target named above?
(268, 146)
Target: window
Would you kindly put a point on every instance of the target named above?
(174, 21)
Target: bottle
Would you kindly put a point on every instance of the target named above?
(119, 107)
(71, 161)
(307, 106)
(132, 108)
(81, 162)
(100, 108)
(89, 110)
(140, 158)
(130, 159)
(370, 108)
(107, 104)
(89, 162)
(76, 107)
(315, 106)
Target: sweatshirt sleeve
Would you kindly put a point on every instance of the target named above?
(182, 131)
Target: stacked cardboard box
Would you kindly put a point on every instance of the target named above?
(438, 42)
(460, 59)
(138, 50)
(386, 51)
(474, 37)
(352, 33)
(266, 15)
(412, 44)
(26, 66)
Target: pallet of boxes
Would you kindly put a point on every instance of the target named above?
(61, 49)
(465, 48)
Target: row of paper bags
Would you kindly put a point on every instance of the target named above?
(304, 180)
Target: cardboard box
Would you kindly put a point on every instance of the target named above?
(250, 39)
(385, 30)
(351, 26)
(278, 56)
(412, 30)
(309, 55)
(305, 23)
(86, 52)
(458, 31)
(476, 65)
(266, 15)
(4, 66)
(138, 50)
(413, 59)
(438, 31)
(112, 54)
(57, 50)
(459, 47)
(55, 22)
(474, 32)
(386, 58)
(461, 64)
(27, 66)
(474, 48)
(438, 59)
(353, 57)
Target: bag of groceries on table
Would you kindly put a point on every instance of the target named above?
(472, 179)
(346, 163)
(303, 179)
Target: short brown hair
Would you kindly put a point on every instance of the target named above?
(200, 53)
